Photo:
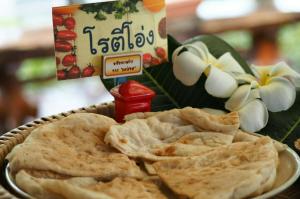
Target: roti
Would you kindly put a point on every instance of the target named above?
(173, 133)
(72, 147)
(180, 153)
(242, 136)
(227, 123)
(89, 188)
(240, 170)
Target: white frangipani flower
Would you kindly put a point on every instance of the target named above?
(192, 60)
(271, 88)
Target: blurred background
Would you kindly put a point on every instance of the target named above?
(263, 31)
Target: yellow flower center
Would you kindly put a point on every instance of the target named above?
(213, 64)
(207, 70)
(264, 79)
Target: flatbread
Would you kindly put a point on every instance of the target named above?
(140, 115)
(195, 153)
(72, 147)
(144, 115)
(193, 144)
(173, 133)
(129, 188)
(88, 188)
(242, 136)
(227, 123)
(149, 168)
(240, 170)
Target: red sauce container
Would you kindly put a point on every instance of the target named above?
(131, 97)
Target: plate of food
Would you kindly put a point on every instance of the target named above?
(180, 153)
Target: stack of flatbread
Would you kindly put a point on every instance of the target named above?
(180, 153)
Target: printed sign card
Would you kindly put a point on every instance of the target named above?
(111, 39)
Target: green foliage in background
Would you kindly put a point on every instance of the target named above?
(118, 8)
(289, 43)
(37, 68)
(237, 39)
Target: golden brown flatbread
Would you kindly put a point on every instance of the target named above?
(129, 188)
(140, 115)
(144, 115)
(149, 168)
(242, 136)
(196, 154)
(173, 133)
(193, 144)
(227, 123)
(239, 170)
(73, 146)
(88, 188)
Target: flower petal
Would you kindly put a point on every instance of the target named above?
(219, 83)
(278, 95)
(196, 50)
(203, 47)
(254, 116)
(283, 70)
(242, 96)
(188, 68)
(228, 64)
(245, 78)
(176, 52)
(279, 70)
(261, 71)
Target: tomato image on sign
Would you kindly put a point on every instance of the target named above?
(64, 34)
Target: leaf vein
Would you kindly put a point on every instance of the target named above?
(162, 89)
(297, 123)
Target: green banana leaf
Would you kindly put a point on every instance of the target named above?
(285, 126)
(171, 93)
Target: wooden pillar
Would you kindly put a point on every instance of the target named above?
(265, 49)
(13, 106)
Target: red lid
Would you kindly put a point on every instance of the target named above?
(132, 90)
